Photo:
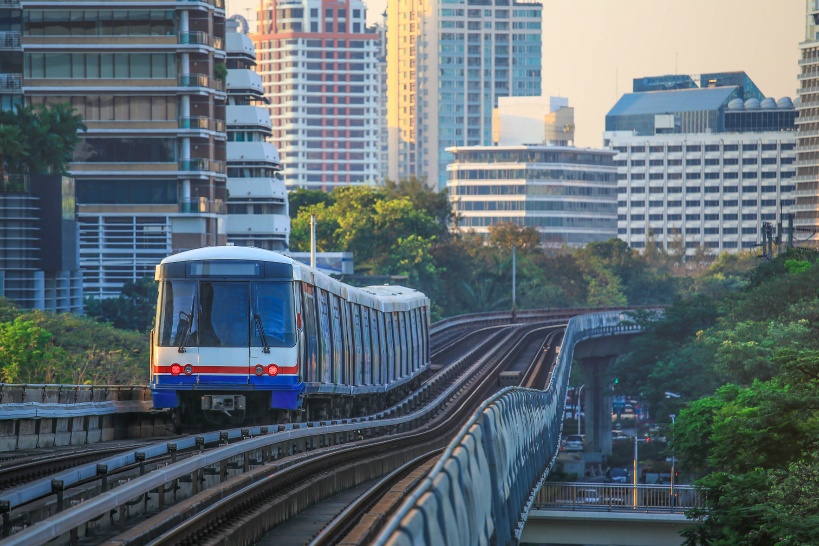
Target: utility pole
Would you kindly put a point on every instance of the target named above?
(790, 230)
(514, 286)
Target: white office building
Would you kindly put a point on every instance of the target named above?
(257, 203)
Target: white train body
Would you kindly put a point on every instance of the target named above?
(239, 327)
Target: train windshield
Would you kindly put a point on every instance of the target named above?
(224, 314)
(273, 303)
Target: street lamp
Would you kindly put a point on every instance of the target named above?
(673, 461)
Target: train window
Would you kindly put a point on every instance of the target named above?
(365, 342)
(224, 315)
(273, 303)
(357, 366)
(310, 332)
(391, 360)
(324, 338)
(338, 342)
(224, 268)
(376, 344)
(177, 311)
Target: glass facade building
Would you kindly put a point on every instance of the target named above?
(568, 194)
(448, 63)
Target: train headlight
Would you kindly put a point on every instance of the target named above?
(188, 369)
(273, 370)
(176, 369)
(259, 369)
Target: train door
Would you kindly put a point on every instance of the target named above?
(346, 333)
(425, 333)
(375, 336)
(402, 332)
(325, 350)
(310, 333)
(394, 352)
(365, 342)
(415, 359)
(357, 359)
(224, 331)
(301, 342)
(338, 341)
(385, 348)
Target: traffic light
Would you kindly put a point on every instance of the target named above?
(648, 440)
(616, 380)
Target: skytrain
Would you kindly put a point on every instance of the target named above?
(244, 334)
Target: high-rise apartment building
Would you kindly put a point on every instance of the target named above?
(807, 136)
(319, 69)
(701, 167)
(150, 172)
(257, 199)
(448, 63)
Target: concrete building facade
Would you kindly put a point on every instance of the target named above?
(448, 63)
(257, 202)
(807, 136)
(704, 167)
(319, 68)
(568, 194)
(150, 172)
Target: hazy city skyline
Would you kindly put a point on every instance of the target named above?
(592, 50)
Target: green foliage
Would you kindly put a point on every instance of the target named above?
(797, 266)
(133, 309)
(220, 71)
(48, 136)
(42, 347)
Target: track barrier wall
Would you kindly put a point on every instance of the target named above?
(483, 487)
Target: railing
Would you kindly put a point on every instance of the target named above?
(14, 183)
(483, 485)
(11, 83)
(617, 497)
(10, 40)
(201, 80)
(202, 205)
(201, 38)
(204, 123)
(202, 165)
(219, 4)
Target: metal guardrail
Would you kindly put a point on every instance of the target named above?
(484, 485)
(617, 497)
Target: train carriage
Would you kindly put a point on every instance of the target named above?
(245, 331)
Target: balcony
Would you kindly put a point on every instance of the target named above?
(218, 4)
(11, 83)
(10, 40)
(202, 165)
(201, 38)
(202, 205)
(9, 3)
(202, 123)
(201, 80)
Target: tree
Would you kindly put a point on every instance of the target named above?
(11, 146)
(507, 235)
(133, 309)
(26, 352)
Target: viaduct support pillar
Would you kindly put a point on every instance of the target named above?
(597, 393)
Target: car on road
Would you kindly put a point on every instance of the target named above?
(618, 475)
(617, 435)
(573, 442)
(588, 496)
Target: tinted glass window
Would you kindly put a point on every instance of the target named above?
(224, 317)
(177, 311)
(273, 302)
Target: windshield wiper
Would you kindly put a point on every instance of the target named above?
(183, 337)
(260, 329)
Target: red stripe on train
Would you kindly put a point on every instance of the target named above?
(228, 370)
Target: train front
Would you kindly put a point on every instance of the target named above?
(225, 341)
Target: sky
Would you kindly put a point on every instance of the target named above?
(593, 49)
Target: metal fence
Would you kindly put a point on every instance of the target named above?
(614, 497)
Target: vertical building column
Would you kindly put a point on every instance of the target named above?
(185, 112)
(598, 403)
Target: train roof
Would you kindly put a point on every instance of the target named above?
(384, 298)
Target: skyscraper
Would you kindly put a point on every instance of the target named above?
(257, 199)
(145, 76)
(448, 63)
(318, 65)
(807, 135)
